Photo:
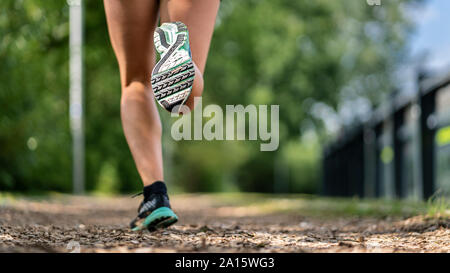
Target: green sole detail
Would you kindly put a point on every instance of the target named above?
(159, 218)
(171, 69)
(173, 59)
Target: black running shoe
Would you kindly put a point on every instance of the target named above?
(154, 212)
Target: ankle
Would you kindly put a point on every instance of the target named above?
(157, 187)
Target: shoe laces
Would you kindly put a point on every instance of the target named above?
(137, 194)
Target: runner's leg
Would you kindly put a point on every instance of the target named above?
(131, 24)
(199, 16)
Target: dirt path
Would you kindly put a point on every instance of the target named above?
(207, 224)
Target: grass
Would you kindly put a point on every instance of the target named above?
(438, 206)
(302, 204)
(310, 205)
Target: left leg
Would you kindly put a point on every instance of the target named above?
(199, 16)
(130, 25)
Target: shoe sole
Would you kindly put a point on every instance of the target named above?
(159, 218)
(173, 75)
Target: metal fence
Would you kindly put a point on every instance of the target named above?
(402, 151)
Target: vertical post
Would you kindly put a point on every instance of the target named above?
(370, 160)
(427, 133)
(398, 152)
(76, 92)
(360, 162)
(378, 167)
(427, 103)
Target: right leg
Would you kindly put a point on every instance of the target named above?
(131, 24)
(200, 17)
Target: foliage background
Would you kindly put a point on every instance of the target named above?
(326, 63)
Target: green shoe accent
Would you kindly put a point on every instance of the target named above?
(160, 218)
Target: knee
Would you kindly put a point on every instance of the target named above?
(137, 105)
(134, 71)
(131, 79)
(134, 90)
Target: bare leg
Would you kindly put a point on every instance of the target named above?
(131, 24)
(199, 16)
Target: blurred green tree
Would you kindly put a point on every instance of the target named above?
(34, 130)
(297, 54)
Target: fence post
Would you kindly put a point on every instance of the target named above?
(427, 133)
(398, 152)
(370, 159)
(378, 167)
